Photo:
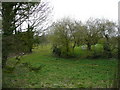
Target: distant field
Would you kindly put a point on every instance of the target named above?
(60, 72)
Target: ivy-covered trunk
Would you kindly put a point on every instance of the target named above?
(7, 18)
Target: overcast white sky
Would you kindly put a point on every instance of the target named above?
(84, 9)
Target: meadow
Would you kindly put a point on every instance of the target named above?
(56, 72)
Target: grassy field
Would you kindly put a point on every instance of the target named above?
(59, 72)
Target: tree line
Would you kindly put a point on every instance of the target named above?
(66, 34)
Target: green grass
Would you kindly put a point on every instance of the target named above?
(84, 53)
(60, 72)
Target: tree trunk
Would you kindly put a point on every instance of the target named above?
(74, 46)
(107, 48)
(89, 46)
(67, 47)
(67, 50)
(30, 50)
(7, 18)
(4, 55)
(4, 60)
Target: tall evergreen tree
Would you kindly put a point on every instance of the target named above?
(13, 16)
